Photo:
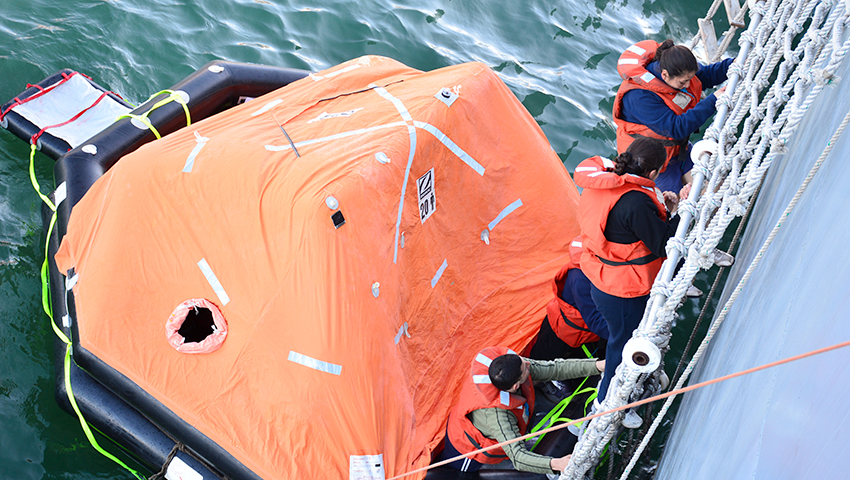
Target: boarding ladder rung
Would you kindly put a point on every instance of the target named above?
(712, 50)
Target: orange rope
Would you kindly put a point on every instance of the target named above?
(632, 405)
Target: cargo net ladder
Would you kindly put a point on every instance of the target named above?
(755, 119)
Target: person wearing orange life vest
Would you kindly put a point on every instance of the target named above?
(625, 223)
(660, 98)
(572, 319)
(495, 405)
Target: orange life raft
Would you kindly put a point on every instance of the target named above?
(363, 232)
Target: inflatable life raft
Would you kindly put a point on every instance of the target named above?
(293, 286)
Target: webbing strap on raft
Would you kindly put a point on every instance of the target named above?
(45, 271)
(46, 305)
(172, 97)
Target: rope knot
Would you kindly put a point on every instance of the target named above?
(736, 68)
(704, 260)
(687, 207)
(823, 77)
(777, 145)
(675, 244)
(738, 205)
(661, 288)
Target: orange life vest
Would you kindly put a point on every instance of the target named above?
(565, 319)
(622, 270)
(632, 67)
(479, 393)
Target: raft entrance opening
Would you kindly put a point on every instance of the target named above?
(197, 326)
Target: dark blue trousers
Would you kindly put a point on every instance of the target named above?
(623, 316)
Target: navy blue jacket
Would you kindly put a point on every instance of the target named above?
(647, 108)
(577, 293)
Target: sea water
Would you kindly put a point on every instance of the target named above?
(558, 57)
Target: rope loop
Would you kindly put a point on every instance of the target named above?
(660, 288)
(737, 68)
(677, 244)
(690, 208)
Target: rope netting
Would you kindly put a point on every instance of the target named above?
(789, 53)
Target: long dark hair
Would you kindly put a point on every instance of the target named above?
(642, 157)
(678, 60)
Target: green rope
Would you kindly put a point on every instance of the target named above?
(172, 97)
(554, 415)
(46, 305)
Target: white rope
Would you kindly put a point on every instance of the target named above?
(731, 301)
(793, 76)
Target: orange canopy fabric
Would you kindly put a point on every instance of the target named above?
(342, 342)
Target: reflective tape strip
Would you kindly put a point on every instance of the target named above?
(505, 398)
(412, 131)
(278, 148)
(190, 161)
(70, 282)
(402, 110)
(439, 273)
(576, 243)
(267, 107)
(60, 194)
(401, 331)
(483, 359)
(636, 49)
(627, 61)
(511, 351)
(311, 362)
(467, 159)
(596, 174)
(508, 210)
(66, 321)
(586, 169)
(213, 280)
(481, 379)
(651, 189)
(326, 115)
(607, 163)
(647, 77)
(349, 68)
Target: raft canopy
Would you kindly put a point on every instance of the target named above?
(363, 232)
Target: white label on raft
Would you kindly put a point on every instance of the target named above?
(366, 467)
(427, 198)
(178, 470)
